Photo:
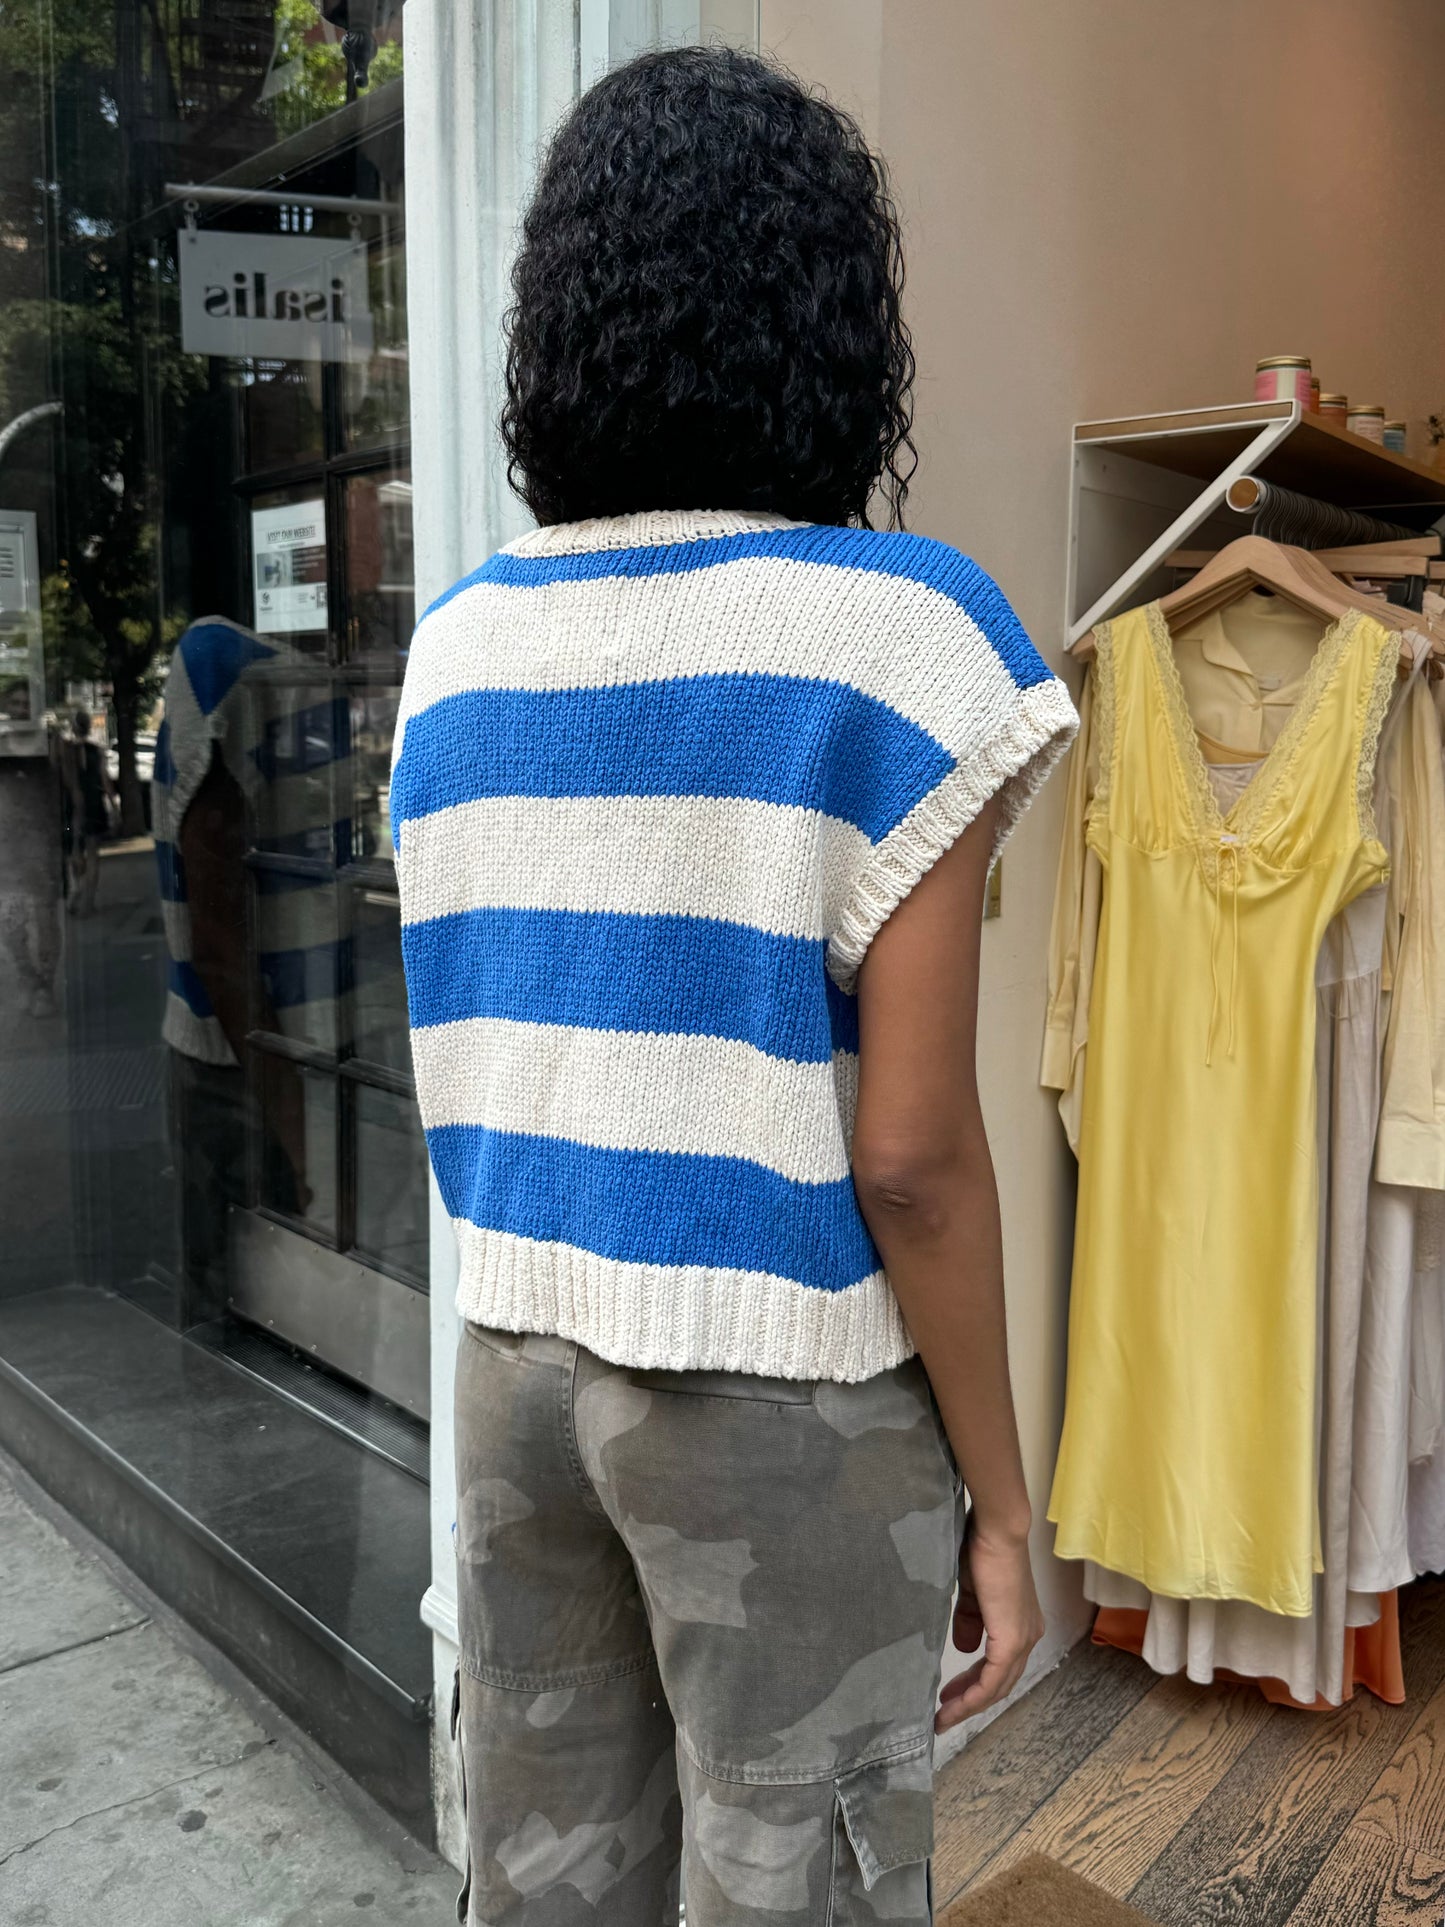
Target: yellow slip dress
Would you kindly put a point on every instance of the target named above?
(1187, 1457)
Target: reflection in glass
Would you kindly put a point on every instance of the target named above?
(299, 739)
(379, 572)
(303, 958)
(373, 725)
(375, 393)
(298, 1141)
(391, 1188)
(282, 404)
(205, 1096)
(308, 78)
(379, 1026)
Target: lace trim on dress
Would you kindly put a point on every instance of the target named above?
(1105, 712)
(1377, 705)
(1244, 818)
(1188, 756)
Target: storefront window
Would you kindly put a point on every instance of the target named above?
(210, 1156)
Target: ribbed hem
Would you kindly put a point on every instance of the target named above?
(679, 1317)
(1013, 765)
(647, 528)
(193, 1036)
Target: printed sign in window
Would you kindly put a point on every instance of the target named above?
(288, 557)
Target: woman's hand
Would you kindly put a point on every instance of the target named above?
(997, 1608)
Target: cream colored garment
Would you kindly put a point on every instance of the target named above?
(1426, 1511)
(1427, 1331)
(1242, 667)
(1233, 706)
(1402, 1332)
(1427, 1378)
(1427, 1515)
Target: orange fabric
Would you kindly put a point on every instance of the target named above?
(1372, 1654)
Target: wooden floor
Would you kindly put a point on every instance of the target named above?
(1204, 1805)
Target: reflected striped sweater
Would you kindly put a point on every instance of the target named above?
(657, 782)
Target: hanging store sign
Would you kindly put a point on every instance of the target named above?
(288, 558)
(282, 297)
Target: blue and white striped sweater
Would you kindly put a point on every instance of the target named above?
(658, 780)
(283, 735)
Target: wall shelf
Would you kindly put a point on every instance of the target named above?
(1136, 491)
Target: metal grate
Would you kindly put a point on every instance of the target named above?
(384, 1428)
(101, 1080)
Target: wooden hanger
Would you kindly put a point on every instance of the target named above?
(1245, 563)
(1292, 574)
(1417, 632)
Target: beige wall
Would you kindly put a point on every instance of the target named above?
(1113, 206)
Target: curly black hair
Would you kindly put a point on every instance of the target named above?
(708, 304)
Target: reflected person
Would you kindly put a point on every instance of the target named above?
(91, 791)
(205, 769)
(30, 884)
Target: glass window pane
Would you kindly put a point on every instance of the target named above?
(303, 958)
(182, 678)
(379, 1025)
(391, 1182)
(373, 726)
(307, 74)
(375, 393)
(283, 408)
(294, 757)
(298, 1141)
(381, 603)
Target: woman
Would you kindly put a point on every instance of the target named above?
(696, 790)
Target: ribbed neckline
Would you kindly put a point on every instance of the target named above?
(646, 528)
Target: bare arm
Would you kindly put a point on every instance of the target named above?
(925, 1184)
(213, 855)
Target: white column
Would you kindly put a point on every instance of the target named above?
(485, 82)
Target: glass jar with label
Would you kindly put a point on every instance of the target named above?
(1334, 408)
(1395, 437)
(1283, 378)
(1367, 420)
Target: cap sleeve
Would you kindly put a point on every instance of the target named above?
(967, 676)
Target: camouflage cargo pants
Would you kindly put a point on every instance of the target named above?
(702, 1615)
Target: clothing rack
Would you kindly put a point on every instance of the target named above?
(1286, 571)
(1284, 515)
(1174, 471)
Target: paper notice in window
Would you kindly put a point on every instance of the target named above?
(288, 557)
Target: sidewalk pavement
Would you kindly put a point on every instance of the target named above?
(143, 1782)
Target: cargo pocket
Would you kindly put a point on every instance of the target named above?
(882, 1839)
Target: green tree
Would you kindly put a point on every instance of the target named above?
(314, 69)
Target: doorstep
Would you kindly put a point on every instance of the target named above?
(299, 1552)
